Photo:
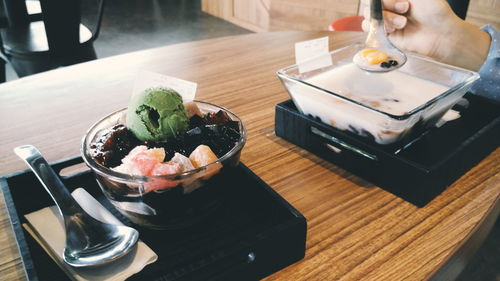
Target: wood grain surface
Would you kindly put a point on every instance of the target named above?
(355, 229)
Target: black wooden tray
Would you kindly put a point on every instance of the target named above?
(417, 168)
(254, 233)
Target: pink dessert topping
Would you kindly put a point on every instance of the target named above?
(142, 161)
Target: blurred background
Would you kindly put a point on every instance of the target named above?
(271, 15)
(131, 25)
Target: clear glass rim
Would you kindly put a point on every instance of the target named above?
(281, 73)
(122, 177)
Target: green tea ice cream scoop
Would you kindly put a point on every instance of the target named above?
(157, 114)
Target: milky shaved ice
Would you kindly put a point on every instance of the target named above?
(383, 107)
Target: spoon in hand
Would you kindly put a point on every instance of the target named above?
(89, 242)
(378, 54)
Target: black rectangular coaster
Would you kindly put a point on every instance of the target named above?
(417, 168)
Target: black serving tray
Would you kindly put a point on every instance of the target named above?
(417, 168)
(253, 233)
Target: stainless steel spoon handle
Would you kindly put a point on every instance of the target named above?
(49, 179)
(376, 36)
(376, 10)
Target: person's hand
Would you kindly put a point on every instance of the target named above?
(429, 27)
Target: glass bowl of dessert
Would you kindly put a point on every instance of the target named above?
(164, 181)
(383, 107)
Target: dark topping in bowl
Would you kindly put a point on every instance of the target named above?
(112, 145)
(216, 130)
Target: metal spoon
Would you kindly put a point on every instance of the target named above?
(89, 242)
(377, 39)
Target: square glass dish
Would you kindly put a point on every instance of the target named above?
(384, 107)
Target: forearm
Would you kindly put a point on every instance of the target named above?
(468, 46)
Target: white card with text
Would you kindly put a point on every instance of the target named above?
(146, 79)
(312, 54)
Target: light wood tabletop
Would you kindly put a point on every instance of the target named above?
(355, 229)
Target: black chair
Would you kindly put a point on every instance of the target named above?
(34, 43)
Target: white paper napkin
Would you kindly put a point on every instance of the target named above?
(48, 229)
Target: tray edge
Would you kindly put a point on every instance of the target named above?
(22, 247)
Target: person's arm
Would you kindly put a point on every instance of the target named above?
(430, 27)
(489, 83)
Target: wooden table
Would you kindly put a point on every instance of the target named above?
(355, 230)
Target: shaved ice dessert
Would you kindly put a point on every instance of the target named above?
(155, 160)
(388, 108)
